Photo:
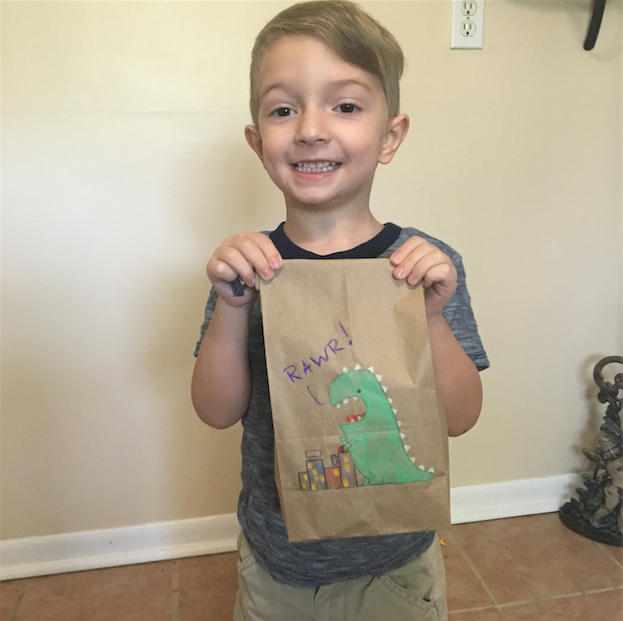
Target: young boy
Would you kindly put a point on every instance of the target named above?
(325, 107)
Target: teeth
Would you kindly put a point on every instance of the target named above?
(345, 401)
(315, 167)
(338, 405)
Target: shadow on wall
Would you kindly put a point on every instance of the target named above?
(213, 192)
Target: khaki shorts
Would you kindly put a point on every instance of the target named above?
(415, 592)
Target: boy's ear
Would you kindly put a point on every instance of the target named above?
(397, 129)
(252, 134)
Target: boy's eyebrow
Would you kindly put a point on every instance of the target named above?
(336, 84)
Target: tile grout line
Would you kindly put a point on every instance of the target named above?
(604, 551)
(471, 565)
(18, 602)
(538, 600)
(175, 592)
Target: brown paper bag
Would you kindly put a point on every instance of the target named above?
(360, 433)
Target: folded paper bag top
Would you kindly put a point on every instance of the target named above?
(360, 433)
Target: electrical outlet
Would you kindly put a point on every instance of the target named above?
(467, 24)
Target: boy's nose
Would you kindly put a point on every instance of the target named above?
(312, 127)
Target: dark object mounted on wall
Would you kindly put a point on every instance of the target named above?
(597, 513)
(595, 24)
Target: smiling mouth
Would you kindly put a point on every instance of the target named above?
(353, 418)
(316, 167)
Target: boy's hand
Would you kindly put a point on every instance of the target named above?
(419, 261)
(242, 255)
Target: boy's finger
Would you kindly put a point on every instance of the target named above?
(270, 251)
(401, 253)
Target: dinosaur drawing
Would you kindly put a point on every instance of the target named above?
(373, 438)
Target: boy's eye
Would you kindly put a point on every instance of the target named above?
(283, 111)
(347, 107)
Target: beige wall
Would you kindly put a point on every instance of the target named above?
(124, 165)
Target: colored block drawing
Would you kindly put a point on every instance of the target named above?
(315, 470)
(333, 477)
(347, 470)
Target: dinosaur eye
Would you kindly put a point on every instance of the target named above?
(359, 390)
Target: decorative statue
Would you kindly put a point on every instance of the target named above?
(597, 513)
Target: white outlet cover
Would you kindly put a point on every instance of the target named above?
(467, 24)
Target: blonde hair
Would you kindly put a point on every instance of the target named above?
(347, 30)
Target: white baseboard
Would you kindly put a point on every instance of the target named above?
(477, 503)
(38, 556)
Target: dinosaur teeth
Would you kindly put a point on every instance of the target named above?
(354, 418)
(338, 405)
(345, 401)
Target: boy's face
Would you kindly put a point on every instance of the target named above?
(323, 125)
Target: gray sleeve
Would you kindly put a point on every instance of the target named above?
(459, 316)
(207, 318)
(458, 312)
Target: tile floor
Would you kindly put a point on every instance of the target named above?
(521, 569)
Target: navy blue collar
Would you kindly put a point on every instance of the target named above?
(368, 250)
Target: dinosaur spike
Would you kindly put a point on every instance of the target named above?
(422, 468)
(357, 367)
(390, 400)
(413, 460)
(399, 423)
(431, 470)
(378, 377)
(395, 411)
(407, 447)
(371, 369)
(384, 388)
(344, 370)
(402, 435)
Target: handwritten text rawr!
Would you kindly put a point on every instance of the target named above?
(298, 372)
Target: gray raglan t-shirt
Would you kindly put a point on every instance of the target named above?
(317, 563)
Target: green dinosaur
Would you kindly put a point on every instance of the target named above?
(374, 438)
